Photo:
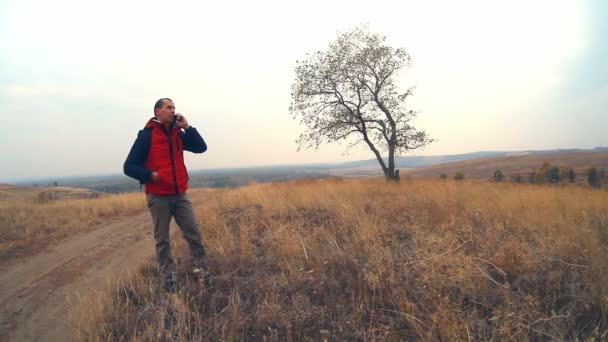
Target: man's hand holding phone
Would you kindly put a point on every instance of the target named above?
(181, 121)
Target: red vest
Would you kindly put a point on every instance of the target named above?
(166, 157)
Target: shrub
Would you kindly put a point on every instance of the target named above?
(498, 176)
(593, 177)
(571, 176)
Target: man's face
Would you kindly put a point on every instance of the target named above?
(166, 112)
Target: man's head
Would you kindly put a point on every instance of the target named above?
(164, 110)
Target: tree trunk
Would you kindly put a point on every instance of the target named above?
(389, 173)
(392, 175)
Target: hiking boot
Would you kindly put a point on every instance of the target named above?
(204, 275)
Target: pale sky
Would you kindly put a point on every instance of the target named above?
(78, 79)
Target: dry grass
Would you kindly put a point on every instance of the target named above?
(28, 224)
(365, 260)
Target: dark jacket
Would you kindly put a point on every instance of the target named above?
(159, 149)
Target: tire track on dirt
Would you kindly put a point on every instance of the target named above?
(37, 294)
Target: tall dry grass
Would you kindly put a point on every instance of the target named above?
(28, 225)
(365, 260)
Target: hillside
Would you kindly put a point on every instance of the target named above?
(360, 259)
(484, 168)
(56, 255)
(32, 218)
(408, 162)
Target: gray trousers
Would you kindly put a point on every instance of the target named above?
(163, 208)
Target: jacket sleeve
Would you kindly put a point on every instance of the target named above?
(193, 141)
(135, 165)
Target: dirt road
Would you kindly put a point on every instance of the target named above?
(38, 295)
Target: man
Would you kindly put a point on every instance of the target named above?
(156, 159)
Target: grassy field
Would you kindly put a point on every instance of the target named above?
(361, 259)
(32, 218)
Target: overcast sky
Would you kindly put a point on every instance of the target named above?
(78, 79)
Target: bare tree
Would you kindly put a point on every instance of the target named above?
(349, 93)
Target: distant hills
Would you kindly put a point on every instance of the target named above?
(474, 165)
(419, 161)
(515, 164)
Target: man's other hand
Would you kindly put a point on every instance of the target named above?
(154, 177)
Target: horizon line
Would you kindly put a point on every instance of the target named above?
(260, 166)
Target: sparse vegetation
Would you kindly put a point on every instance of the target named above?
(518, 178)
(553, 175)
(532, 177)
(443, 176)
(543, 174)
(459, 176)
(363, 260)
(571, 176)
(498, 176)
(484, 168)
(34, 221)
(593, 178)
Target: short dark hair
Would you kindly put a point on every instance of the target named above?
(159, 104)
